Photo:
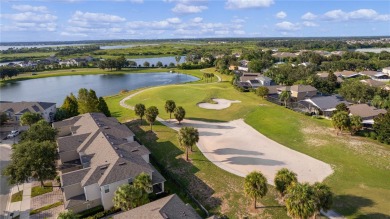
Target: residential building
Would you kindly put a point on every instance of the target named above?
(347, 74)
(98, 154)
(386, 70)
(254, 83)
(323, 105)
(366, 112)
(324, 76)
(264, 80)
(373, 83)
(14, 110)
(171, 207)
(300, 92)
(249, 76)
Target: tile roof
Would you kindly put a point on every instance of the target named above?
(365, 111)
(21, 107)
(103, 147)
(171, 207)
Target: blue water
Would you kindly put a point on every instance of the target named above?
(54, 89)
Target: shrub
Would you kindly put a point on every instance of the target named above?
(373, 135)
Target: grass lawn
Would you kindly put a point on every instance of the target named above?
(38, 190)
(44, 208)
(219, 191)
(188, 96)
(17, 197)
(362, 166)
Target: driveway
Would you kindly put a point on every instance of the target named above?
(238, 148)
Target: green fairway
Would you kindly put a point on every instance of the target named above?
(189, 95)
(362, 166)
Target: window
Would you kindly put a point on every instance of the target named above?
(106, 188)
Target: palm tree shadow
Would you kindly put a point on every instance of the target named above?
(350, 204)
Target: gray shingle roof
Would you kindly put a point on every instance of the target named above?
(73, 177)
(71, 143)
(365, 111)
(326, 102)
(171, 207)
(20, 107)
(302, 88)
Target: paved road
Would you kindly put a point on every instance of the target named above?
(5, 152)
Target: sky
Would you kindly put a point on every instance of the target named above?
(70, 20)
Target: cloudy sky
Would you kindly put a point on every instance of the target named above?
(47, 20)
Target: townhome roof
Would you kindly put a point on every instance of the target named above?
(171, 207)
(369, 73)
(326, 102)
(103, 147)
(22, 107)
(346, 74)
(373, 83)
(302, 88)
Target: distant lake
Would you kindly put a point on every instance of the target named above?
(153, 61)
(39, 46)
(54, 89)
(374, 50)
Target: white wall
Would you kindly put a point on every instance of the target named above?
(107, 197)
(146, 158)
(92, 192)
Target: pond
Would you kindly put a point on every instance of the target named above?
(54, 89)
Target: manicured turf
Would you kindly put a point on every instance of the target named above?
(188, 96)
(218, 190)
(44, 208)
(17, 197)
(38, 190)
(362, 166)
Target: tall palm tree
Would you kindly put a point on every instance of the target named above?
(170, 107)
(285, 96)
(300, 201)
(255, 186)
(127, 197)
(144, 182)
(324, 197)
(151, 114)
(139, 110)
(283, 179)
(187, 137)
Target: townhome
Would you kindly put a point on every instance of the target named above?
(14, 110)
(98, 154)
(366, 112)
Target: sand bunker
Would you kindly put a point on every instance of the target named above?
(221, 104)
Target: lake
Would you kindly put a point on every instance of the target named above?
(54, 89)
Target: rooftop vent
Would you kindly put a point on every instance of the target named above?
(121, 164)
(103, 167)
(116, 148)
(120, 155)
(165, 216)
(134, 150)
(106, 127)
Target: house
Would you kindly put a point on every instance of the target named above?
(68, 63)
(282, 55)
(171, 207)
(243, 66)
(366, 112)
(386, 70)
(98, 154)
(347, 74)
(14, 110)
(249, 76)
(264, 80)
(233, 67)
(368, 73)
(254, 83)
(373, 83)
(324, 76)
(300, 92)
(322, 105)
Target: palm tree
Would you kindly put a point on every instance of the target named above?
(283, 179)
(127, 197)
(340, 121)
(144, 182)
(285, 96)
(255, 186)
(151, 115)
(139, 110)
(355, 124)
(324, 197)
(187, 137)
(170, 107)
(300, 201)
(179, 114)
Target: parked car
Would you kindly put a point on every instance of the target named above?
(13, 133)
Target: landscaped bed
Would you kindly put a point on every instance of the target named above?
(16, 197)
(39, 190)
(47, 207)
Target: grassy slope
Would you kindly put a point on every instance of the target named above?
(360, 181)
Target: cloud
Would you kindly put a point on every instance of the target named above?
(309, 16)
(188, 9)
(29, 17)
(79, 16)
(238, 20)
(30, 8)
(361, 14)
(197, 20)
(281, 15)
(174, 20)
(243, 4)
(287, 26)
(309, 24)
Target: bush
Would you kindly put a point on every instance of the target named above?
(104, 213)
(373, 135)
(89, 212)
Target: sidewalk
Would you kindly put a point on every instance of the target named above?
(21, 208)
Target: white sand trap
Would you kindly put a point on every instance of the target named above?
(238, 148)
(221, 104)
